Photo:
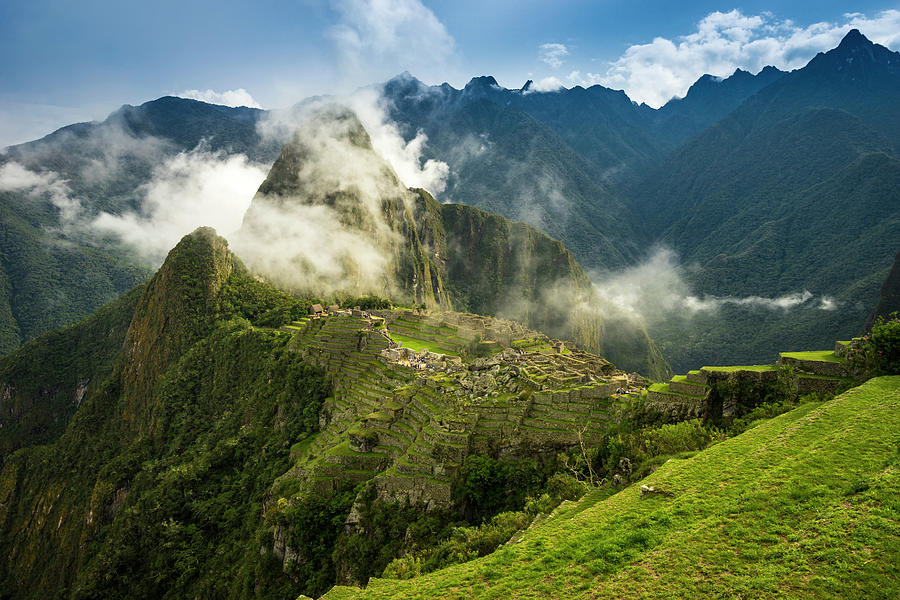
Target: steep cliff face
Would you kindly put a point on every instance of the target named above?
(332, 215)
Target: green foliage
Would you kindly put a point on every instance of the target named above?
(467, 543)
(878, 352)
(223, 426)
(384, 532)
(81, 355)
(367, 303)
(804, 505)
(260, 303)
(563, 486)
(632, 452)
(167, 475)
(744, 391)
(488, 486)
(311, 524)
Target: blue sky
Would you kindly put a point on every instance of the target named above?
(67, 61)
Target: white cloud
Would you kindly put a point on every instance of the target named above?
(376, 39)
(330, 231)
(16, 178)
(656, 290)
(552, 54)
(404, 157)
(664, 68)
(188, 190)
(238, 97)
(547, 84)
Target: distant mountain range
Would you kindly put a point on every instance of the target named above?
(764, 185)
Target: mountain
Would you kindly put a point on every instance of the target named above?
(399, 243)
(176, 443)
(53, 274)
(795, 190)
(504, 160)
(708, 100)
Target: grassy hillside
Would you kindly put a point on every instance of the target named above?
(802, 506)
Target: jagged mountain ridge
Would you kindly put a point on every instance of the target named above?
(52, 276)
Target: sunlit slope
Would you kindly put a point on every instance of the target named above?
(806, 505)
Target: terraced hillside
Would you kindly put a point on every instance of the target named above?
(802, 506)
(721, 393)
(415, 394)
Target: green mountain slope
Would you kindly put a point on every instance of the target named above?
(156, 448)
(172, 444)
(802, 506)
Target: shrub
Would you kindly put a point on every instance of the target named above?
(563, 486)
(878, 353)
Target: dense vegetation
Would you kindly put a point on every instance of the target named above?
(878, 352)
(804, 505)
(178, 467)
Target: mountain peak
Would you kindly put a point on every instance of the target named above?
(854, 39)
(482, 82)
(854, 58)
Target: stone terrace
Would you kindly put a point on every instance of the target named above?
(408, 424)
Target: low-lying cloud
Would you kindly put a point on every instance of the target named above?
(406, 157)
(233, 98)
(320, 225)
(186, 191)
(656, 290)
(38, 185)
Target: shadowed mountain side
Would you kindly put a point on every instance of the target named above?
(794, 191)
(889, 298)
(193, 384)
(52, 273)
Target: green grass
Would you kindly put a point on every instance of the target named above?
(659, 387)
(758, 368)
(805, 505)
(822, 355)
(419, 345)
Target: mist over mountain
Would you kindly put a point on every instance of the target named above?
(438, 327)
(722, 177)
